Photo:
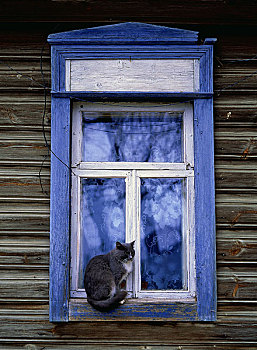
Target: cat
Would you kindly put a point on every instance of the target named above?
(104, 274)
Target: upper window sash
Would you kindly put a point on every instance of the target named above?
(187, 134)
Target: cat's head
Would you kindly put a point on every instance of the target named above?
(126, 250)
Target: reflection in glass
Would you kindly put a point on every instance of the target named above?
(102, 218)
(132, 137)
(161, 234)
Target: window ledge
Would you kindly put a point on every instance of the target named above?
(135, 310)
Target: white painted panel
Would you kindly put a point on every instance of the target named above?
(144, 75)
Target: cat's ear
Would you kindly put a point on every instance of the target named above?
(120, 246)
(132, 243)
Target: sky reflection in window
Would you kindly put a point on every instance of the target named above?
(132, 137)
(161, 234)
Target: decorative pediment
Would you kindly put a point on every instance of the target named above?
(130, 32)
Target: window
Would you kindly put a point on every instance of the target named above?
(132, 142)
(134, 180)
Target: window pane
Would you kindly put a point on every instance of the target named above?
(132, 137)
(161, 234)
(102, 218)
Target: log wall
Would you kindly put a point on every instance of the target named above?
(24, 204)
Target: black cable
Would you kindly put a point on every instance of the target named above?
(236, 83)
(43, 121)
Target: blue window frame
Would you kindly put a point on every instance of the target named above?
(133, 63)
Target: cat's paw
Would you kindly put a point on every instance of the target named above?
(122, 301)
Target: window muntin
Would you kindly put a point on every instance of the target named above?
(181, 285)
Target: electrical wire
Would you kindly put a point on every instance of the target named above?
(49, 150)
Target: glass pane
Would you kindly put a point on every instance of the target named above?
(132, 137)
(161, 234)
(102, 218)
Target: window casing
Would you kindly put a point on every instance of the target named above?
(138, 53)
(148, 250)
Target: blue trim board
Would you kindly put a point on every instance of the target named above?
(205, 210)
(60, 210)
(135, 96)
(65, 52)
(80, 310)
(136, 41)
(126, 32)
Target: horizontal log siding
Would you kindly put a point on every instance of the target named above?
(24, 208)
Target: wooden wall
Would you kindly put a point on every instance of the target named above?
(24, 207)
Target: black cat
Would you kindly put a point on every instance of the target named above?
(104, 274)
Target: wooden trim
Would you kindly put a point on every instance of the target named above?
(205, 211)
(145, 75)
(132, 96)
(75, 234)
(60, 211)
(135, 310)
(131, 166)
(68, 75)
(126, 33)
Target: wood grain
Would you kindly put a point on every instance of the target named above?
(204, 12)
(24, 237)
(151, 75)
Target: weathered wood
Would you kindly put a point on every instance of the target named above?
(29, 289)
(229, 113)
(152, 75)
(233, 246)
(135, 310)
(235, 173)
(13, 206)
(25, 221)
(241, 249)
(226, 76)
(35, 250)
(236, 209)
(22, 144)
(202, 12)
(237, 284)
(46, 346)
(23, 79)
(236, 177)
(241, 146)
(143, 333)
(21, 252)
(24, 186)
(38, 310)
(60, 205)
(205, 210)
(21, 114)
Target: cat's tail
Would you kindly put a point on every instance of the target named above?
(108, 304)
